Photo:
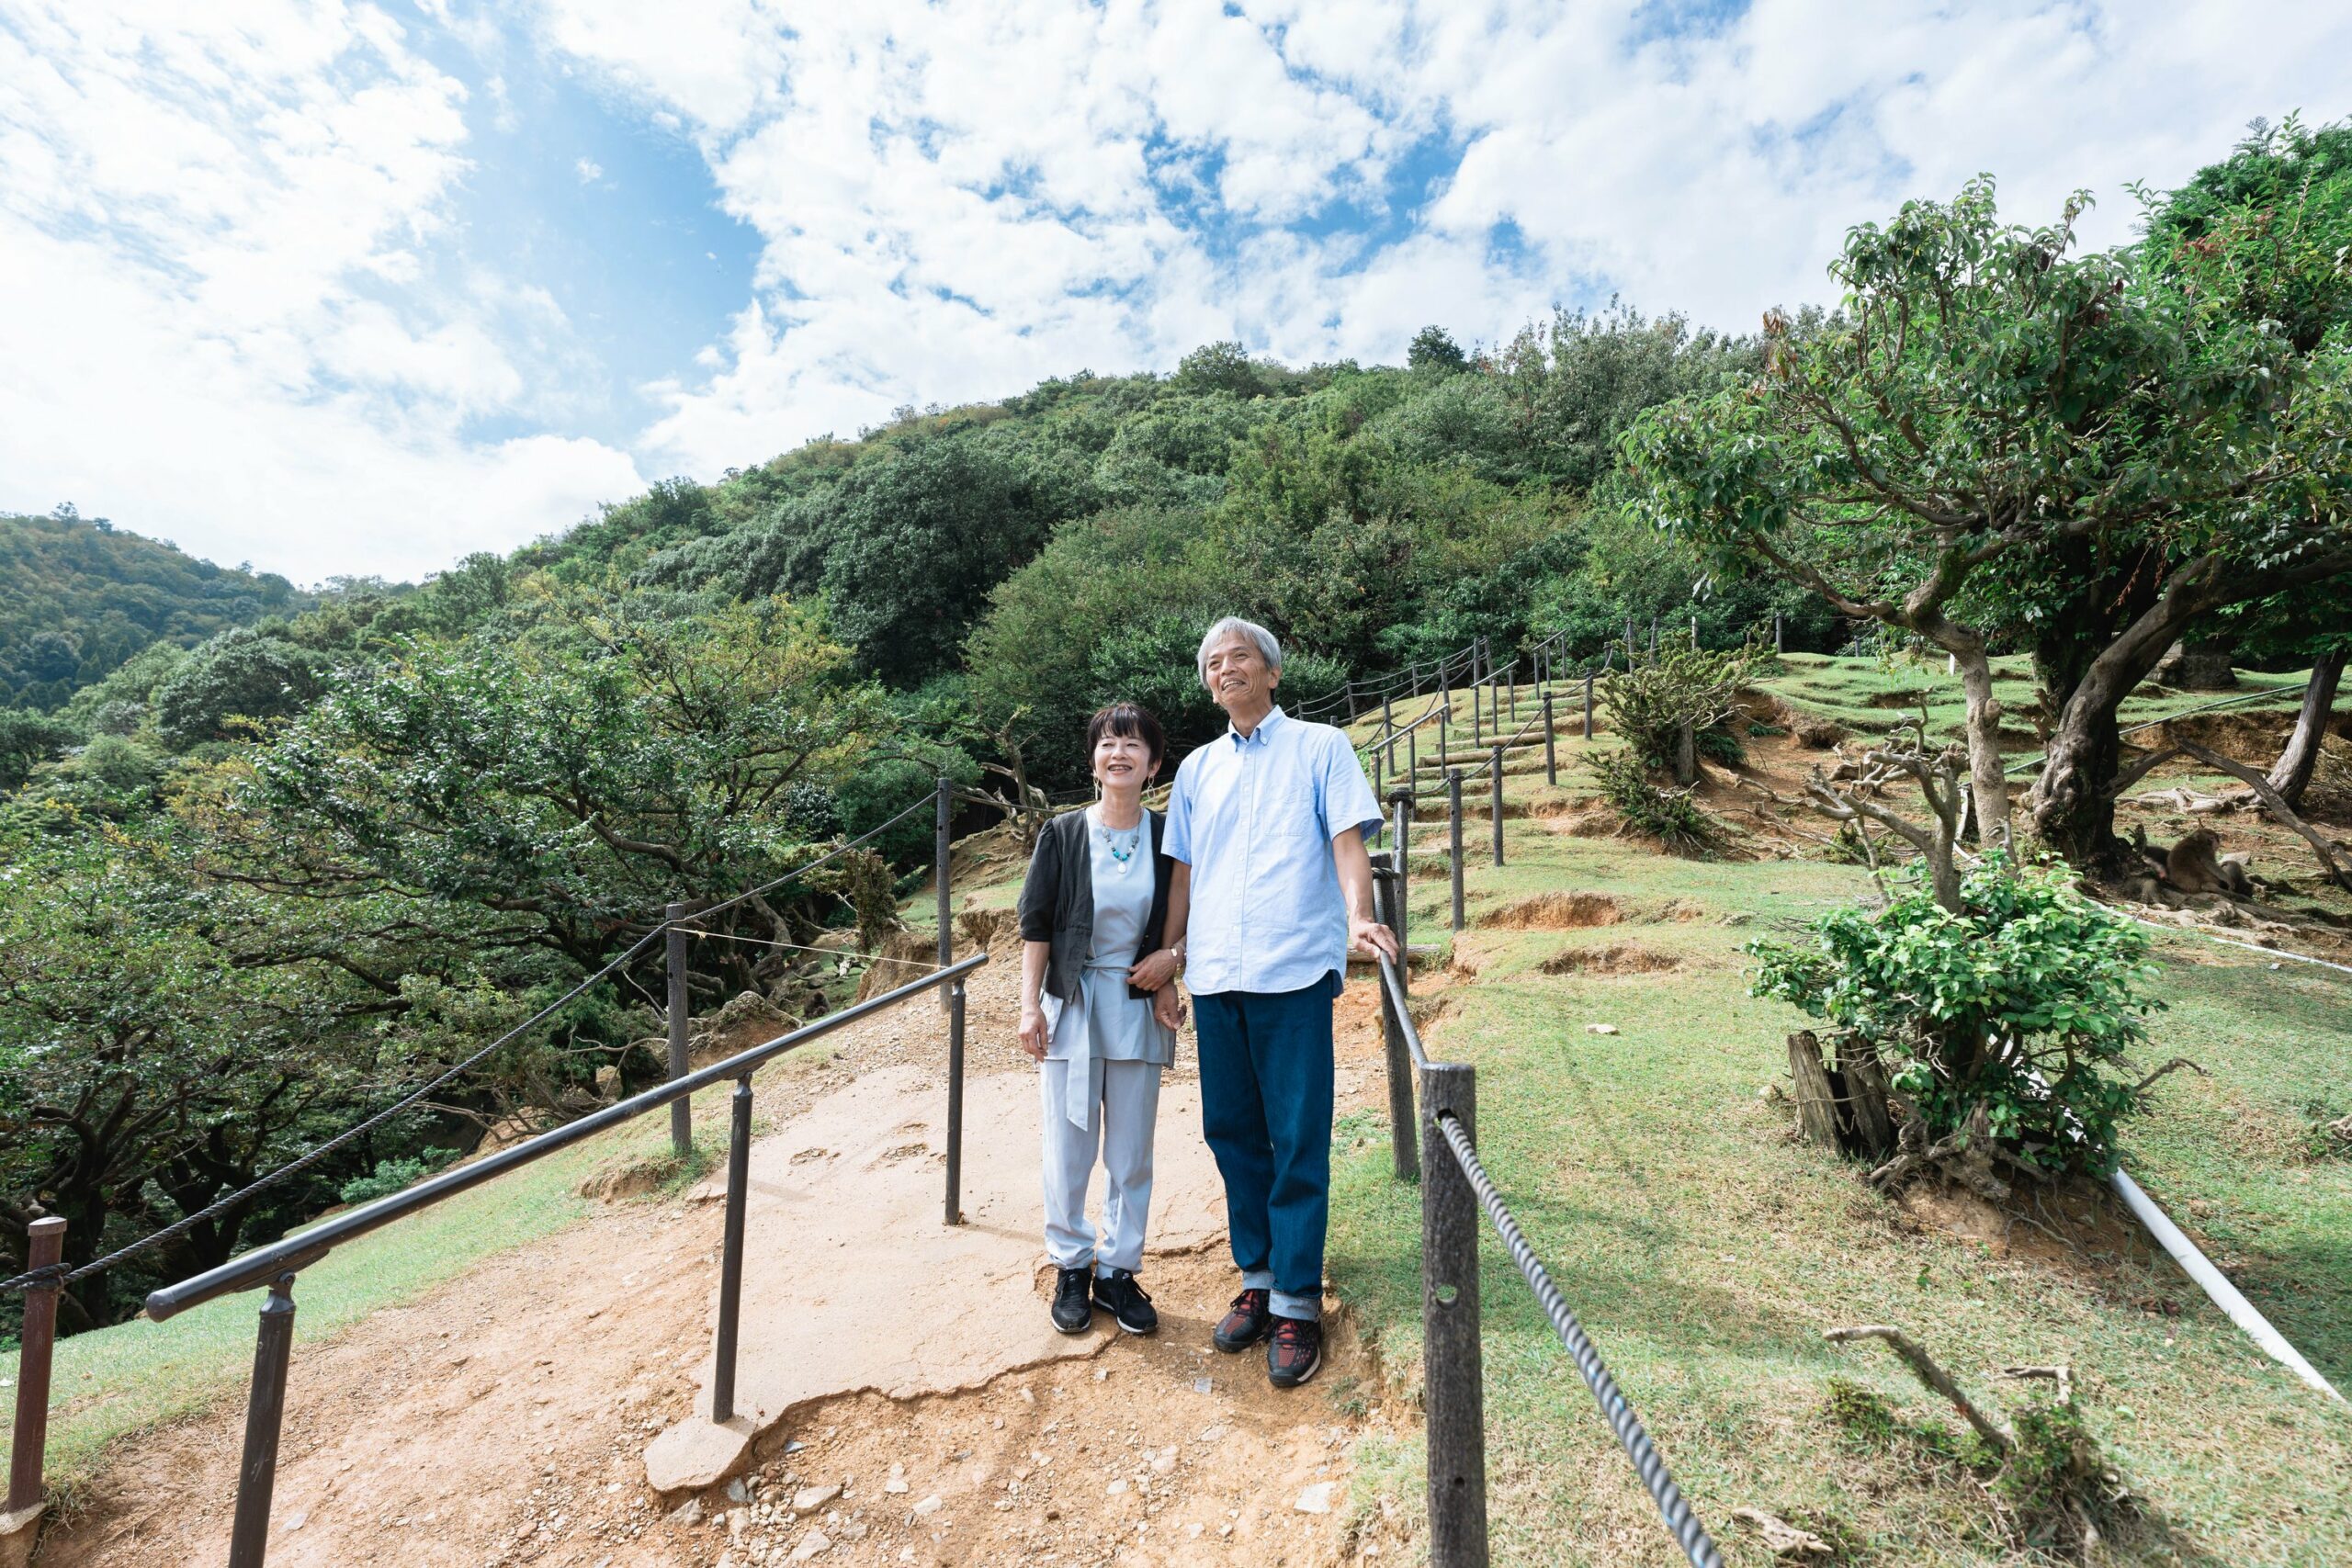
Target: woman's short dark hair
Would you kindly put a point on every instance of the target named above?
(1131, 719)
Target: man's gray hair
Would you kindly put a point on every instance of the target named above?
(1234, 625)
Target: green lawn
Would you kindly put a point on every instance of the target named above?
(1866, 696)
(1706, 1252)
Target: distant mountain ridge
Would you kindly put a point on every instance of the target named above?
(78, 596)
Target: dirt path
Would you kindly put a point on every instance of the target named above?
(504, 1418)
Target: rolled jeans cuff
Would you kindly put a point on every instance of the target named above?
(1308, 1309)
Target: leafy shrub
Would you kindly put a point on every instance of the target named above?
(1649, 704)
(1669, 815)
(2022, 1005)
(392, 1174)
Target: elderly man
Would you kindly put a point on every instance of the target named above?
(1266, 825)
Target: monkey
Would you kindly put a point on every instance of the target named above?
(2192, 866)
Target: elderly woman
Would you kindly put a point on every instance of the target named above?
(1094, 911)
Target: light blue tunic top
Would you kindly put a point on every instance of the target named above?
(1254, 817)
(1102, 1023)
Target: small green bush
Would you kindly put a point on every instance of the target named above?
(1649, 704)
(2023, 1004)
(1668, 816)
(392, 1174)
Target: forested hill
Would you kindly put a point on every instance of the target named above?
(78, 596)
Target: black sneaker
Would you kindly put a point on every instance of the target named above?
(1245, 1324)
(1294, 1353)
(1073, 1312)
(1118, 1294)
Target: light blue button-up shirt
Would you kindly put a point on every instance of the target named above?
(1254, 817)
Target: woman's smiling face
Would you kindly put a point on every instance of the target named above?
(1122, 761)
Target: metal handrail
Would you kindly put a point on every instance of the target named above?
(257, 1267)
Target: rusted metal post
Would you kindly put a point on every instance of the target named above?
(1587, 705)
(956, 1103)
(730, 1258)
(680, 1004)
(1453, 831)
(1551, 748)
(265, 1417)
(28, 1440)
(1404, 1143)
(1452, 1371)
(940, 874)
(1497, 803)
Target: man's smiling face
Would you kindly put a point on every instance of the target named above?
(1239, 680)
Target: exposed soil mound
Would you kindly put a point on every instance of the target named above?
(1555, 912)
(1619, 958)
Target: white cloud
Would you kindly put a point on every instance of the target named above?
(231, 263)
(955, 199)
(224, 251)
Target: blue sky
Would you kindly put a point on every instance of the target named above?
(357, 286)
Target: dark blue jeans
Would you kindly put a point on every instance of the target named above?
(1266, 1111)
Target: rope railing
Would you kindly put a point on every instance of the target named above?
(1455, 1187)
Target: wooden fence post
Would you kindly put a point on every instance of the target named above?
(1453, 830)
(44, 1246)
(1404, 1140)
(1452, 1373)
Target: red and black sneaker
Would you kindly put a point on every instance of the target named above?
(1245, 1324)
(1295, 1352)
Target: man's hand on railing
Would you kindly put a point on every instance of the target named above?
(1368, 937)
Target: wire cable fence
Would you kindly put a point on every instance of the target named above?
(1437, 1146)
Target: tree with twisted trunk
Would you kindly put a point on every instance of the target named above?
(1999, 437)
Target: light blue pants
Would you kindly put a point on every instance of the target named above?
(1123, 1119)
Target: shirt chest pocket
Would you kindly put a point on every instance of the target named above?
(1288, 811)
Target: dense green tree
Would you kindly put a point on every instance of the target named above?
(1434, 350)
(1995, 428)
(238, 679)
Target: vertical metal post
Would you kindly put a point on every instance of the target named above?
(1444, 723)
(1376, 779)
(731, 1258)
(1551, 747)
(1401, 804)
(1413, 756)
(1452, 1371)
(1387, 715)
(265, 1416)
(1778, 645)
(1497, 766)
(681, 1004)
(956, 1103)
(28, 1440)
(1587, 705)
(1476, 729)
(1403, 1131)
(939, 874)
(1453, 831)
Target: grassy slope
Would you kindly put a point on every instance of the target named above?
(1706, 1252)
(1863, 696)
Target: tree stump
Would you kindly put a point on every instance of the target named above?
(1845, 1107)
(1816, 1097)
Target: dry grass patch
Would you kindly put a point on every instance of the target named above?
(1554, 912)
